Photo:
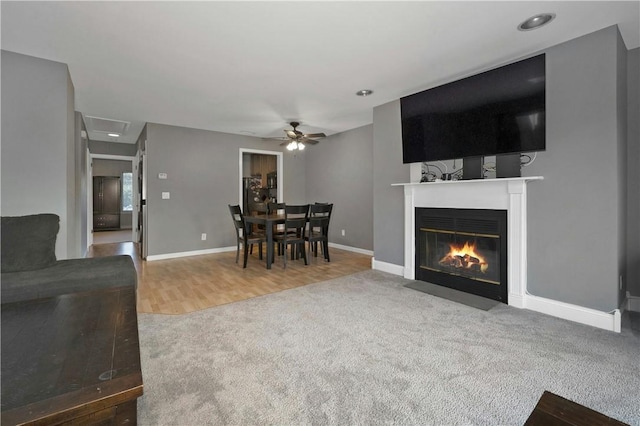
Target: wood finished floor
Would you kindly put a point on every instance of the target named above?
(188, 284)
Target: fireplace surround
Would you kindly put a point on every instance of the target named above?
(510, 195)
(506, 194)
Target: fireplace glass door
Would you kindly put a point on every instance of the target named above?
(464, 249)
(473, 256)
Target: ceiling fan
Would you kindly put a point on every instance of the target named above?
(296, 139)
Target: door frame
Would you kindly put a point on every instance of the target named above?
(279, 157)
(134, 170)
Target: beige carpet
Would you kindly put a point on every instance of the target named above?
(365, 350)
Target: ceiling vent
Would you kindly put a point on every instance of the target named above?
(105, 125)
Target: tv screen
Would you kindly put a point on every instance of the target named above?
(500, 111)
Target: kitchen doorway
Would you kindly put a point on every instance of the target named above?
(260, 178)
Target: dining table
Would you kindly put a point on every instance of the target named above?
(268, 220)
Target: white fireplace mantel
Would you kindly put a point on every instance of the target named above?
(508, 194)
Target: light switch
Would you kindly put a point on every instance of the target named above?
(166, 195)
(162, 175)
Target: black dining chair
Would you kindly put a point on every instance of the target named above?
(277, 208)
(245, 235)
(295, 222)
(258, 209)
(318, 231)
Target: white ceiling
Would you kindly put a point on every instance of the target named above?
(251, 67)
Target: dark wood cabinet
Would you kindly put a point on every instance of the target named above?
(263, 165)
(106, 202)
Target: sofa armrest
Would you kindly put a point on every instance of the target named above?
(69, 276)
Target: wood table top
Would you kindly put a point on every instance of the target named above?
(69, 356)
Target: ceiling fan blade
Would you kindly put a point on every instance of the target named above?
(315, 135)
(307, 140)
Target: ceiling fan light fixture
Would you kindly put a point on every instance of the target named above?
(292, 145)
(536, 21)
(300, 146)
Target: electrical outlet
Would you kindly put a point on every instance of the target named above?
(203, 236)
(166, 195)
(343, 233)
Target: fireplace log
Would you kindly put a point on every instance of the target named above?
(471, 259)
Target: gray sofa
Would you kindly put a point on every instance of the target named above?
(30, 270)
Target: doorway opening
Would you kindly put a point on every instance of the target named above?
(260, 178)
(111, 200)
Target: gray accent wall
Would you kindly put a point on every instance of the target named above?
(633, 172)
(203, 170)
(38, 154)
(388, 201)
(339, 170)
(574, 214)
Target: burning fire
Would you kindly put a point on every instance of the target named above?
(464, 257)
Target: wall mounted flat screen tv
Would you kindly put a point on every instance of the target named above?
(500, 111)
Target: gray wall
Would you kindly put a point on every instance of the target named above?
(340, 170)
(574, 214)
(633, 172)
(81, 153)
(388, 201)
(202, 178)
(113, 148)
(73, 177)
(102, 167)
(38, 154)
(621, 160)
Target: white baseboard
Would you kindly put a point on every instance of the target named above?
(387, 267)
(606, 320)
(516, 300)
(233, 248)
(633, 303)
(353, 249)
(189, 253)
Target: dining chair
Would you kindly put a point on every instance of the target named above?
(318, 231)
(295, 222)
(258, 209)
(277, 208)
(245, 235)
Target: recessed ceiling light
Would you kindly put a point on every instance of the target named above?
(365, 92)
(113, 135)
(536, 21)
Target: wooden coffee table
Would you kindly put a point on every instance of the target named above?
(71, 359)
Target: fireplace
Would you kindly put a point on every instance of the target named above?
(463, 249)
(506, 195)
